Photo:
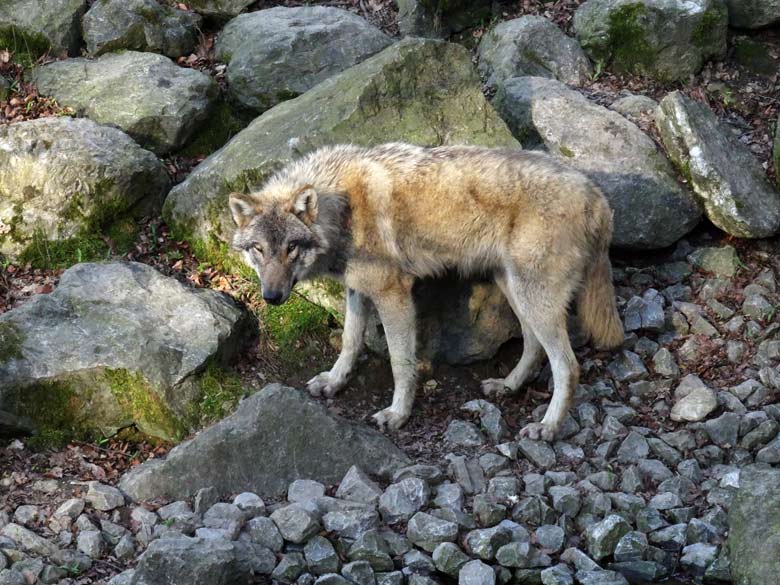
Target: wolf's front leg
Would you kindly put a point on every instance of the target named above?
(328, 383)
(396, 311)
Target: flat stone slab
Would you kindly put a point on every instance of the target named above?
(275, 436)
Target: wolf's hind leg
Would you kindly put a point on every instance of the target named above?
(329, 383)
(396, 311)
(529, 361)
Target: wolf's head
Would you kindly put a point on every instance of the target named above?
(279, 236)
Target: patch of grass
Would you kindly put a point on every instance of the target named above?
(290, 325)
(25, 46)
(222, 124)
(220, 392)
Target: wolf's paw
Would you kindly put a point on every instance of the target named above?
(536, 431)
(391, 419)
(320, 385)
(494, 387)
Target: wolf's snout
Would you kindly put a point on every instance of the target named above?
(274, 297)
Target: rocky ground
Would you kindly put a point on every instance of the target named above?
(665, 468)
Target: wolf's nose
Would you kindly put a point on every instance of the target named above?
(273, 297)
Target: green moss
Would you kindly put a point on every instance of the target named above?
(11, 342)
(56, 408)
(627, 42)
(26, 46)
(222, 124)
(214, 251)
(567, 152)
(290, 325)
(220, 392)
(707, 29)
(754, 56)
(140, 402)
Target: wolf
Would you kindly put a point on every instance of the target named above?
(379, 218)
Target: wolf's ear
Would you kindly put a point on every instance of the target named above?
(244, 207)
(304, 205)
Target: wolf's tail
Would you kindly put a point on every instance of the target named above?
(596, 302)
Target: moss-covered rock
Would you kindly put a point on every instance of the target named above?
(723, 173)
(665, 39)
(156, 102)
(277, 54)
(754, 527)
(63, 180)
(119, 344)
(33, 27)
(219, 9)
(753, 13)
(140, 25)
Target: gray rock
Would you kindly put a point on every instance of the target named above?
(140, 25)
(103, 497)
(485, 542)
(697, 557)
(557, 575)
(415, 561)
(428, 532)
(276, 415)
(226, 517)
(476, 573)
(12, 577)
(321, 557)
(664, 364)
(32, 26)
(460, 433)
(73, 336)
(644, 314)
(695, 406)
(757, 307)
(603, 536)
(350, 523)
(430, 473)
(724, 430)
(358, 487)
(632, 546)
(449, 559)
(51, 164)
(148, 96)
(666, 40)
(193, 561)
(279, 53)
(400, 501)
(432, 93)
(295, 523)
(722, 261)
(219, 9)
(263, 531)
(753, 13)
(372, 548)
(304, 490)
(551, 537)
(490, 418)
(391, 578)
(250, 504)
(579, 559)
(289, 568)
(566, 500)
(359, 573)
(204, 499)
(90, 542)
(633, 448)
(635, 106)
(531, 45)
(627, 367)
(722, 171)
(669, 538)
(28, 541)
(426, 18)
(487, 511)
(449, 495)
(537, 452)
(651, 209)
(600, 578)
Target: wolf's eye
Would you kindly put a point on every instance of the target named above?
(292, 247)
(259, 250)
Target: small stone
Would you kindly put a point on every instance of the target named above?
(490, 418)
(449, 495)
(71, 508)
(359, 573)
(557, 575)
(632, 546)
(566, 500)
(416, 561)
(400, 501)
(428, 532)
(263, 531)
(463, 434)
(358, 487)
(770, 454)
(251, 504)
(669, 538)
(391, 578)
(429, 473)
(487, 511)
(28, 541)
(485, 542)
(372, 548)
(603, 536)
(304, 490)
(103, 497)
(633, 448)
(476, 573)
(27, 514)
(757, 307)
(627, 367)
(204, 499)
(600, 578)
(350, 523)
(321, 557)
(295, 523)
(90, 543)
(125, 548)
(467, 472)
(724, 430)
(695, 406)
(224, 516)
(720, 261)
(697, 557)
(448, 558)
(331, 579)
(289, 568)
(664, 364)
(550, 537)
(537, 452)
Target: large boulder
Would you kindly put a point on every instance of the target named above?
(419, 91)
(665, 39)
(140, 25)
(753, 13)
(276, 54)
(754, 527)
(531, 45)
(728, 179)
(434, 18)
(275, 436)
(37, 26)
(62, 177)
(651, 209)
(115, 344)
(145, 94)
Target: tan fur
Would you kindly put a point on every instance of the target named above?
(384, 216)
